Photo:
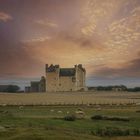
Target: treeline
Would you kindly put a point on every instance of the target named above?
(136, 89)
(115, 88)
(9, 88)
(109, 88)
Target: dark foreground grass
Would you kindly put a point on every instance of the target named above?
(42, 134)
(47, 123)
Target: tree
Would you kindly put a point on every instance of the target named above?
(12, 88)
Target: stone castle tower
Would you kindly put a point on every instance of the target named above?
(65, 79)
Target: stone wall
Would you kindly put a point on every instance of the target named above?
(67, 84)
(56, 82)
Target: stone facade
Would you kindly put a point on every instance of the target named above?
(37, 86)
(42, 84)
(27, 89)
(65, 79)
(34, 86)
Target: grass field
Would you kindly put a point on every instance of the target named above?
(47, 123)
(40, 116)
(69, 98)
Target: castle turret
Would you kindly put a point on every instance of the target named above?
(52, 77)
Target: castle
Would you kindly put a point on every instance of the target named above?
(65, 79)
(60, 79)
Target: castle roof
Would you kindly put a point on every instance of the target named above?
(67, 72)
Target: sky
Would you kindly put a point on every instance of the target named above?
(103, 35)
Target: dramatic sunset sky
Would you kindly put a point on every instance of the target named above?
(103, 35)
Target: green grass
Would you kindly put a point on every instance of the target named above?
(41, 123)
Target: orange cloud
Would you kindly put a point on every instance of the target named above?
(101, 34)
(46, 23)
(65, 50)
(129, 69)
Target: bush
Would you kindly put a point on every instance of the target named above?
(70, 118)
(113, 131)
(97, 117)
(117, 119)
(100, 117)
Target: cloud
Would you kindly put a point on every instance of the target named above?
(46, 23)
(104, 35)
(65, 49)
(5, 17)
(36, 40)
(95, 14)
(116, 25)
(129, 69)
(18, 62)
(125, 31)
